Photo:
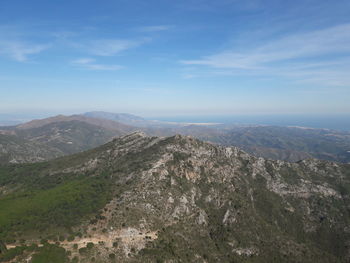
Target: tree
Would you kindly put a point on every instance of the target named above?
(3, 248)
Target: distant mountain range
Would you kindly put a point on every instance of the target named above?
(56, 136)
(173, 199)
(61, 135)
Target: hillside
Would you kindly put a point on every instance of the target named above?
(14, 149)
(290, 143)
(69, 136)
(271, 142)
(175, 199)
(118, 117)
(104, 123)
(46, 139)
(62, 135)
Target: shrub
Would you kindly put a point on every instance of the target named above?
(50, 253)
(90, 245)
(82, 250)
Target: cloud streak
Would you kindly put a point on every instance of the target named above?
(111, 47)
(317, 57)
(90, 64)
(334, 40)
(147, 29)
(20, 51)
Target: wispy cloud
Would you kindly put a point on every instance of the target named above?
(90, 64)
(335, 40)
(14, 44)
(154, 28)
(63, 35)
(313, 57)
(111, 47)
(20, 51)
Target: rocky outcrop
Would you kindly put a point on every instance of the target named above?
(178, 199)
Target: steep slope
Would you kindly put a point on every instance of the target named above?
(177, 199)
(279, 143)
(69, 136)
(14, 149)
(272, 142)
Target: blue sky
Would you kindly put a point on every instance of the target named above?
(183, 57)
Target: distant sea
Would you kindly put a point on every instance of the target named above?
(335, 122)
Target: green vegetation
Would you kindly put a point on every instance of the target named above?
(283, 213)
(50, 253)
(12, 253)
(90, 245)
(63, 206)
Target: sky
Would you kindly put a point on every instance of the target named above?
(183, 57)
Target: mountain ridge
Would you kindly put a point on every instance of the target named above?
(180, 199)
(272, 142)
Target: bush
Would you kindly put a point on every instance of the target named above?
(12, 253)
(63, 205)
(90, 245)
(50, 253)
(82, 250)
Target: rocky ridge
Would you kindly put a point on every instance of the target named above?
(178, 199)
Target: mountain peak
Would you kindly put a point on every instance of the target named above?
(181, 199)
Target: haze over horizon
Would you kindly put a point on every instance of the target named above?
(167, 58)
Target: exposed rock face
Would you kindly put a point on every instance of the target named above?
(178, 199)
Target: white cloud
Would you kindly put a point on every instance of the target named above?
(111, 47)
(89, 63)
(334, 40)
(319, 57)
(154, 28)
(20, 51)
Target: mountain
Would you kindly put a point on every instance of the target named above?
(137, 121)
(69, 136)
(272, 142)
(62, 135)
(45, 139)
(14, 149)
(119, 117)
(288, 143)
(174, 199)
(124, 118)
(104, 123)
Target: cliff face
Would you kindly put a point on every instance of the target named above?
(178, 199)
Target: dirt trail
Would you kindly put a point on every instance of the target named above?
(127, 237)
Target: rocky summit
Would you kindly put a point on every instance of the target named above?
(174, 199)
